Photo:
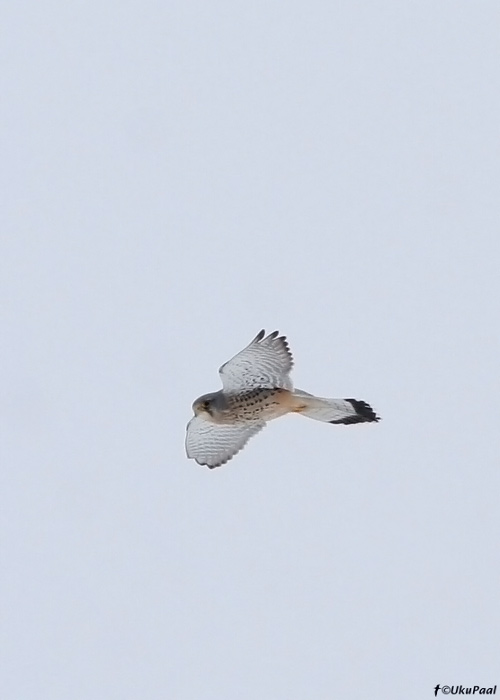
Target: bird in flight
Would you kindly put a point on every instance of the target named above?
(256, 387)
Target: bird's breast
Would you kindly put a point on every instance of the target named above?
(258, 404)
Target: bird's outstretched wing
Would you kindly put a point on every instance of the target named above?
(266, 362)
(212, 444)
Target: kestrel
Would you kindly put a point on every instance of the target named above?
(256, 387)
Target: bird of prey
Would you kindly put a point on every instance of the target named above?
(256, 387)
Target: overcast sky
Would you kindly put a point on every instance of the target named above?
(177, 175)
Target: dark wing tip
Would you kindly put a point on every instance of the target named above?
(220, 463)
(272, 336)
(364, 413)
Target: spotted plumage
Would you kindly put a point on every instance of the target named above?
(256, 388)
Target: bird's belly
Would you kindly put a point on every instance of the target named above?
(259, 404)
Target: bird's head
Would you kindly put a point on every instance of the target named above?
(203, 405)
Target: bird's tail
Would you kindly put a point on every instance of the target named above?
(340, 411)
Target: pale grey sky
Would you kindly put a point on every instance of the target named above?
(176, 176)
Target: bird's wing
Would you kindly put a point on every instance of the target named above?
(212, 444)
(266, 362)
